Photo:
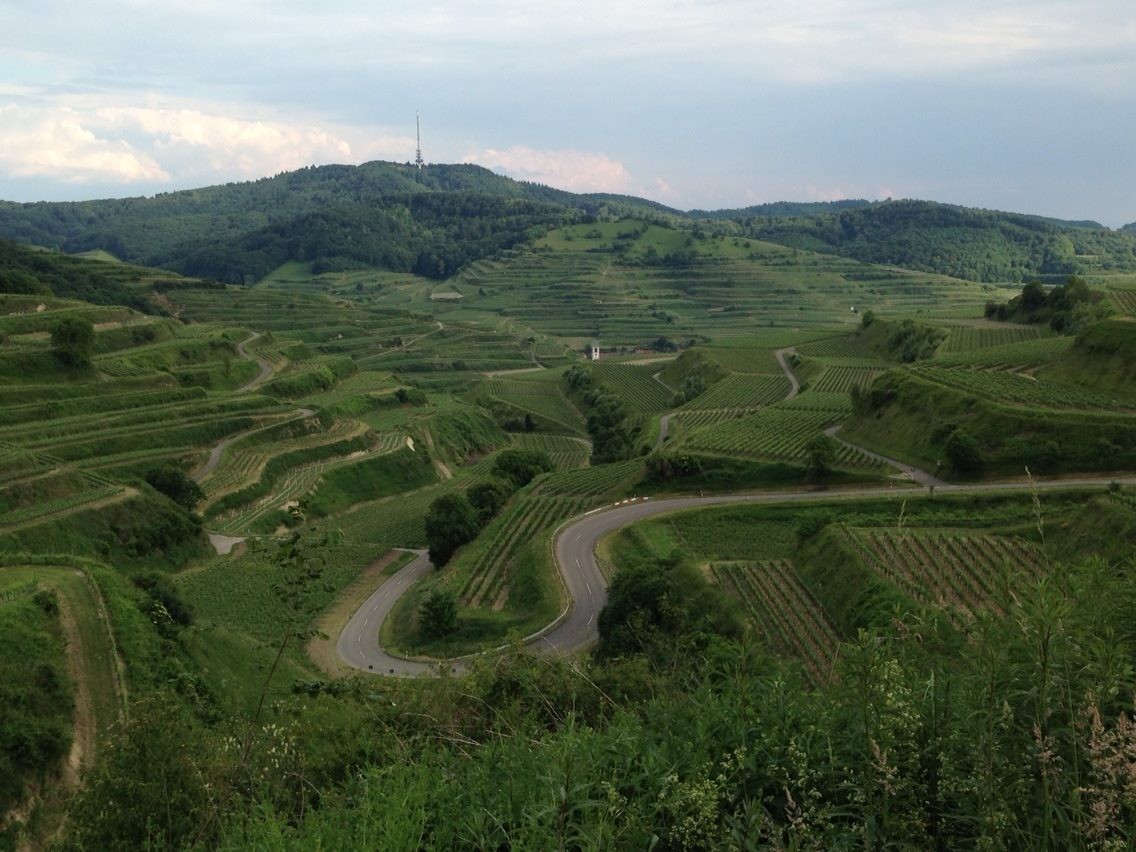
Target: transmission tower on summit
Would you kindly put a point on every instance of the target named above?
(418, 161)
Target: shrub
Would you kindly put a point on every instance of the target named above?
(438, 614)
(73, 341)
(450, 523)
(520, 466)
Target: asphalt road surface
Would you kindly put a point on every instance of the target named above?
(575, 548)
(358, 644)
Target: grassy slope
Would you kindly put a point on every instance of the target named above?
(1011, 437)
(1103, 358)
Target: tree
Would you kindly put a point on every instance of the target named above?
(520, 466)
(820, 457)
(450, 523)
(438, 614)
(1033, 296)
(488, 496)
(963, 452)
(73, 341)
(173, 482)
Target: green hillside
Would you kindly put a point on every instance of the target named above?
(979, 245)
(437, 220)
(430, 221)
(1041, 404)
(31, 272)
(1102, 358)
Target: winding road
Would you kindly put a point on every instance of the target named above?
(219, 449)
(575, 552)
(794, 385)
(575, 548)
(266, 368)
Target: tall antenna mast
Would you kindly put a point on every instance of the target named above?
(418, 151)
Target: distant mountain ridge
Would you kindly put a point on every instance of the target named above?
(779, 209)
(433, 221)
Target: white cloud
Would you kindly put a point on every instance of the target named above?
(58, 144)
(826, 193)
(82, 141)
(576, 171)
(659, 190)
(222, 144)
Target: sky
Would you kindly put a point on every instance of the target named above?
(1001, 104)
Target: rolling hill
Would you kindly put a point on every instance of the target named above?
(435, 221)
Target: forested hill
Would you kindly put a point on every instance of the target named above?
(434, 220)
(392, 216)
(979, 245)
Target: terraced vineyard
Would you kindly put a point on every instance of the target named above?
(486, 569)
(297, 482)
(781, 608)
(376, 338)
(35, 487)
(22, 314)
(539, 398)
(965, 573)
(1023, 390)
(751, 360)
(967, 338)
(839, 379)
(741, 391)
(362, 385)
(1124, 299)
(17, 462)
(778, 433)
(683, 421)
(634, 385)
(243, 465)
(590, 481)
(566, 453)
(142, 360)
(64, 430)
(1021, 357)
(38, 411)
(842, 346)
(46, 510)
